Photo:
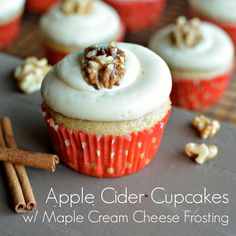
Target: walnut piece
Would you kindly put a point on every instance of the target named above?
(186, 32)
(201, 152)
(31, 74)
(207, 128)
(103, 66)
(70, 7)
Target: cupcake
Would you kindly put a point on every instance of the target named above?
(220, 12)
(138, 14)
(10, 14)
(73, 25)
(41, 6)
(200, 56)
(106, 108)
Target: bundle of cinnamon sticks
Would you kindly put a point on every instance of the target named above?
(14, 162)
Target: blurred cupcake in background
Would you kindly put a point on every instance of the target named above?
(106, 108)
(220, 12)
(75, 24)
(138, 14)
(40, 6)
(10, 15)
(200, 56)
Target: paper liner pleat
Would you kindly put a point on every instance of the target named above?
(40, 6)
(105, 155)
(138, 14)
(8, 32)
(199, 93)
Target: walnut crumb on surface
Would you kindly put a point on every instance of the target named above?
(70, 7)
(186, 32)
(103, 66)
(201, 152)
(30, 75)
(206, 127)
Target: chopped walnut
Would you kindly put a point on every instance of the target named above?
(70, 7)
(31, 74)
(201, 152)
(103, 66)
(186, 32)
(207, 128)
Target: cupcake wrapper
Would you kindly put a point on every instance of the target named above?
(229, 28)
(8, 32)
(105, 155)
(55, 55)
(199, 94)
(138, 14)
(42, 6)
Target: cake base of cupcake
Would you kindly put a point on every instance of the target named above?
(36, 6)
(230, 28)
(9, 31)
(199, 93)
(105, 156)
(138, 14)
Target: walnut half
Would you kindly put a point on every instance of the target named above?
(69, 7)
(186, 32)
(207, 127)
(201, 152)
(30, 75)
(103, 66)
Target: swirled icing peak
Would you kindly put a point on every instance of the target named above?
(215, 52)
(223, 10)
(77, 6)
(103, 66)
(186, 32)
(145, 86)
(9, 8)
(101, 25)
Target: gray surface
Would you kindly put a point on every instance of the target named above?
(171, 170)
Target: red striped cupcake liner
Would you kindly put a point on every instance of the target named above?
(105, 155)
(138, 14)
(54, 55)
(229, 28)
(41, 6)
(199, 93)
(8, 32)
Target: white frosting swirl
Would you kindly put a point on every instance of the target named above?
(100, 26)
(214, 52)
(216, 9)
(146, 86)
(9, 8)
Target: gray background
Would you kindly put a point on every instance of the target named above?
(171, 170)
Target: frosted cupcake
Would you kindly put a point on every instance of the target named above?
(200, 56)
(10, 14)
(106, 108)
(220, 12)
(72, 25)
(138, 14)
(41, 6)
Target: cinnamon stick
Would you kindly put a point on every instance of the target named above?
(13, 182)
(29, 159)
(20, 169)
